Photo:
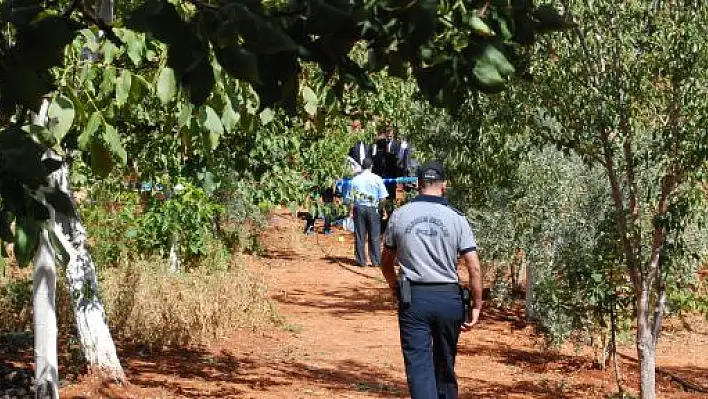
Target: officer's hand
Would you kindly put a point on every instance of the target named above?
(467, 326)
(394, 296)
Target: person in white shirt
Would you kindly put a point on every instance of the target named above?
(366, 196)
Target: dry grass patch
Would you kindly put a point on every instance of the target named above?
(149, 306)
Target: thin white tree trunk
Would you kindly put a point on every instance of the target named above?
(96, 341)
(91, 324)
(646, 347)
(174, 256)
(530, 294)
(46, 374)
(46, 369)
(647, 364)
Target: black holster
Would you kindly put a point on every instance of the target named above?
(404, 291)
(467, 301)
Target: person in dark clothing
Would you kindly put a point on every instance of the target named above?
(359, 152)
(391, 148)
(327, 197)
(378, 155)
(404, 157)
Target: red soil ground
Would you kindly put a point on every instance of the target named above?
(340, 340)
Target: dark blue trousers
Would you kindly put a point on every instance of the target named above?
(430, 328)
(367, 223)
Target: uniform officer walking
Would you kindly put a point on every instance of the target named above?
(426, 236)
(367, 194)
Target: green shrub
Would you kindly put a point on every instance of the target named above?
(501, 291)
(186, 217)
(122, 226)
(243, 220)
(16, 305)
(109, 222)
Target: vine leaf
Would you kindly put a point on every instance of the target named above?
(61, 116)
(5, 230)
(92, 126)
(101, 159)
(214, 129)
(61, 202)
(123, 85)
(311, 100)
(200, 81)
(166, 85)
(26, 239)
(238, 62)
(185, 115)
(112, 139)
(230, 118)
(22, 156)
(267, 116)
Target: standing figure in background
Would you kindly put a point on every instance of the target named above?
(327, 198)
(358, 151)
(404, 157)
(378, 154)
(367, 195)
(391, 160)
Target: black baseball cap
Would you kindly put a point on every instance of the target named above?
(431, 170)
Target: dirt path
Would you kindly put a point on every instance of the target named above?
(339, 339)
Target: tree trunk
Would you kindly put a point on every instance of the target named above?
(647, 364)
(104, 10)
(46, 372)
(530, 294)
(91, 324)
(46, 369)
(646, 348)
(174, 256)
(613, 342)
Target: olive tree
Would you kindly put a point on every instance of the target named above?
(627, 90)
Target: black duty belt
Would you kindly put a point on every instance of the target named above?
(407, 287)
(448, 287)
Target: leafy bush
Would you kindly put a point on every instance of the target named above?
(122, 226)
(243, 219)
(108, 221)
(16, 305)
(185, 217)
(501, 290)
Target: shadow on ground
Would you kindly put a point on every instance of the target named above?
(533, 361)
(543, 389)
(200, 374)
(341, 302)
(350, 265)
(286, 254)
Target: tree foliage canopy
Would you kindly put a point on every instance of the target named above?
(111, 84)
(451, 46)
